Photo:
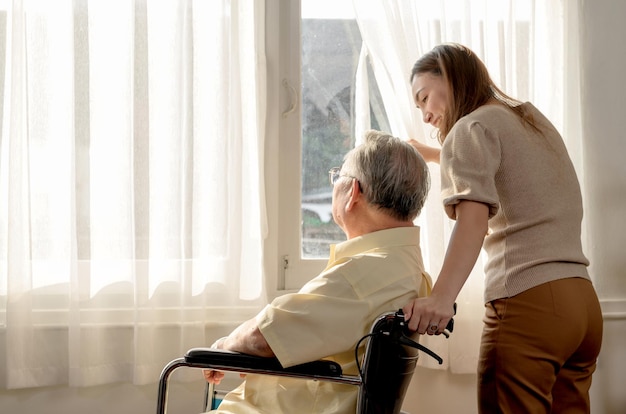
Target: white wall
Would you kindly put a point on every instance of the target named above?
(604, 99)
(604, 127)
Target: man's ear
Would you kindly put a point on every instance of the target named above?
(355, 194)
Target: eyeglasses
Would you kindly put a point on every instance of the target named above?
(334, 175)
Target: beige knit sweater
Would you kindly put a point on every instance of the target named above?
(528, 181)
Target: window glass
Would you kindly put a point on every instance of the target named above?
(330, 47)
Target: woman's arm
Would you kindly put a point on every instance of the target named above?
(430, 154)
(465, 244)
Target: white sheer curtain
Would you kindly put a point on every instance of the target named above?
(522, 43)
(131, 183)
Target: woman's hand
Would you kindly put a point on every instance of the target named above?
(429, 315)
(430, 154)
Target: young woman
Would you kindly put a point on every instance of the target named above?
(508, 182)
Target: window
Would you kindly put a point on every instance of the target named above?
(323, 122)
(331, 45)
(318, 75)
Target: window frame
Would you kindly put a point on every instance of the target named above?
(285, 269)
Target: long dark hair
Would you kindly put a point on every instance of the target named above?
(469, 81)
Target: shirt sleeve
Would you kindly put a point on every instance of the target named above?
(314, 322)
(470, 160)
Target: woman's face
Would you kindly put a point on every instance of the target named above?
(430, 93)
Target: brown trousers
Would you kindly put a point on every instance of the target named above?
(539, 350)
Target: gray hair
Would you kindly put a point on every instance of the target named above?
(392, 174)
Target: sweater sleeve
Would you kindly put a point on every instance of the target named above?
(470, 161)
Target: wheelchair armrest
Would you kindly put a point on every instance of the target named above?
(219, 359)
(235, 361)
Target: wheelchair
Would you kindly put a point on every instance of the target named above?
(385, 370)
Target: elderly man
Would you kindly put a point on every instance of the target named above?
(377, 193)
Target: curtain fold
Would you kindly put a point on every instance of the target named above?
(132, 208)
(522, 43)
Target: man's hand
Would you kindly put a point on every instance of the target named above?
(212, 376)
(247, 339)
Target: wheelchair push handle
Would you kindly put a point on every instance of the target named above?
(400, 332)
(450, 326)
